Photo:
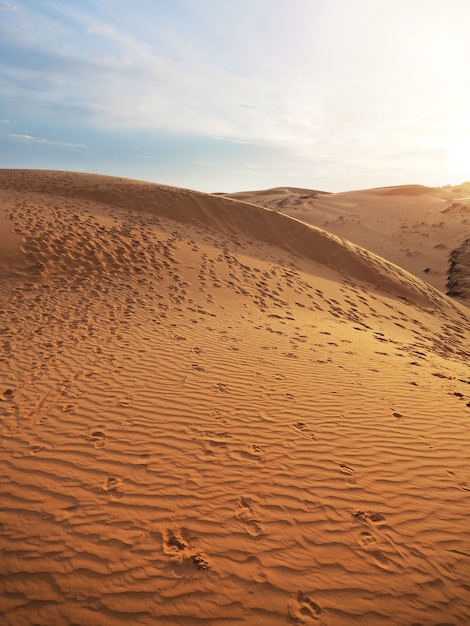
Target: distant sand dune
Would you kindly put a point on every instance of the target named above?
(212, 413)
(413, 226)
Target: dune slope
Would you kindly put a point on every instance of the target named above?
(229, 218)
(418, 228)
(214, 414)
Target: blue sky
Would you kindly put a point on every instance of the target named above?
(246, 94)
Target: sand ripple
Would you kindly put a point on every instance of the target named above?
(199, 427)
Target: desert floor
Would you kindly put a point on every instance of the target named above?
(215, 413)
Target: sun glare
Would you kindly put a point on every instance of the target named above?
(458, 158)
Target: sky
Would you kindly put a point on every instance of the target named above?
(221, 96)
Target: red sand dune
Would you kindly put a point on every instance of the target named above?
(212, 413)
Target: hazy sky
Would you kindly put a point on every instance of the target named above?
(243, 94)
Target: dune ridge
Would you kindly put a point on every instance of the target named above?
(230, 218)
(413, 226)
(201, 427)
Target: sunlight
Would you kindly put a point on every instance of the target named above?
(458, 158)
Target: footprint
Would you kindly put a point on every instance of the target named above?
(36, 449)
(380, 559)
(373, 518)
(97, 438)
(113, 485)
(213, 447)
(198, 368)
(257, 572)
(349, 472)
(366, 540)
(303, 429)
(6, 395)
(246, 514)
(200, 560)
(254, 453)
(219, 416)
(303, 610)
(173, 543)
(178, 549)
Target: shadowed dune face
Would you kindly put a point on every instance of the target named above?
(416, 227)
(458, 277)
(212, 413)
(229, 218)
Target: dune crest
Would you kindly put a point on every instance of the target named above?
(413, 226)
(214, 414)
(230, 217)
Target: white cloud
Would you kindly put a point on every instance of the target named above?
(10, 6)
(205, 163)
(171, 81)
(104, 29)
(136, 87)
(150, 157)
(380, 86)
(40, 140)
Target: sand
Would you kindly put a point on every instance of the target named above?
(214, 413)
(415, 227)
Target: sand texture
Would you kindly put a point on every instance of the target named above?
(422, 229)
(214, 413)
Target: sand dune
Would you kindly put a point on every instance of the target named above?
(229, 218)
(212, 413)
(416, 227)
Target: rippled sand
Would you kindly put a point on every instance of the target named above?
(212, 413)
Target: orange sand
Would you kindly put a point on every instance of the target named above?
(413, 226)
(212, 413)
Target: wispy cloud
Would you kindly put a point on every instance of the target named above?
(169, 81)
(205, 163)
(150, 157)
(103, 29)
(331, 84)
(41, 140)
(10, 6)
